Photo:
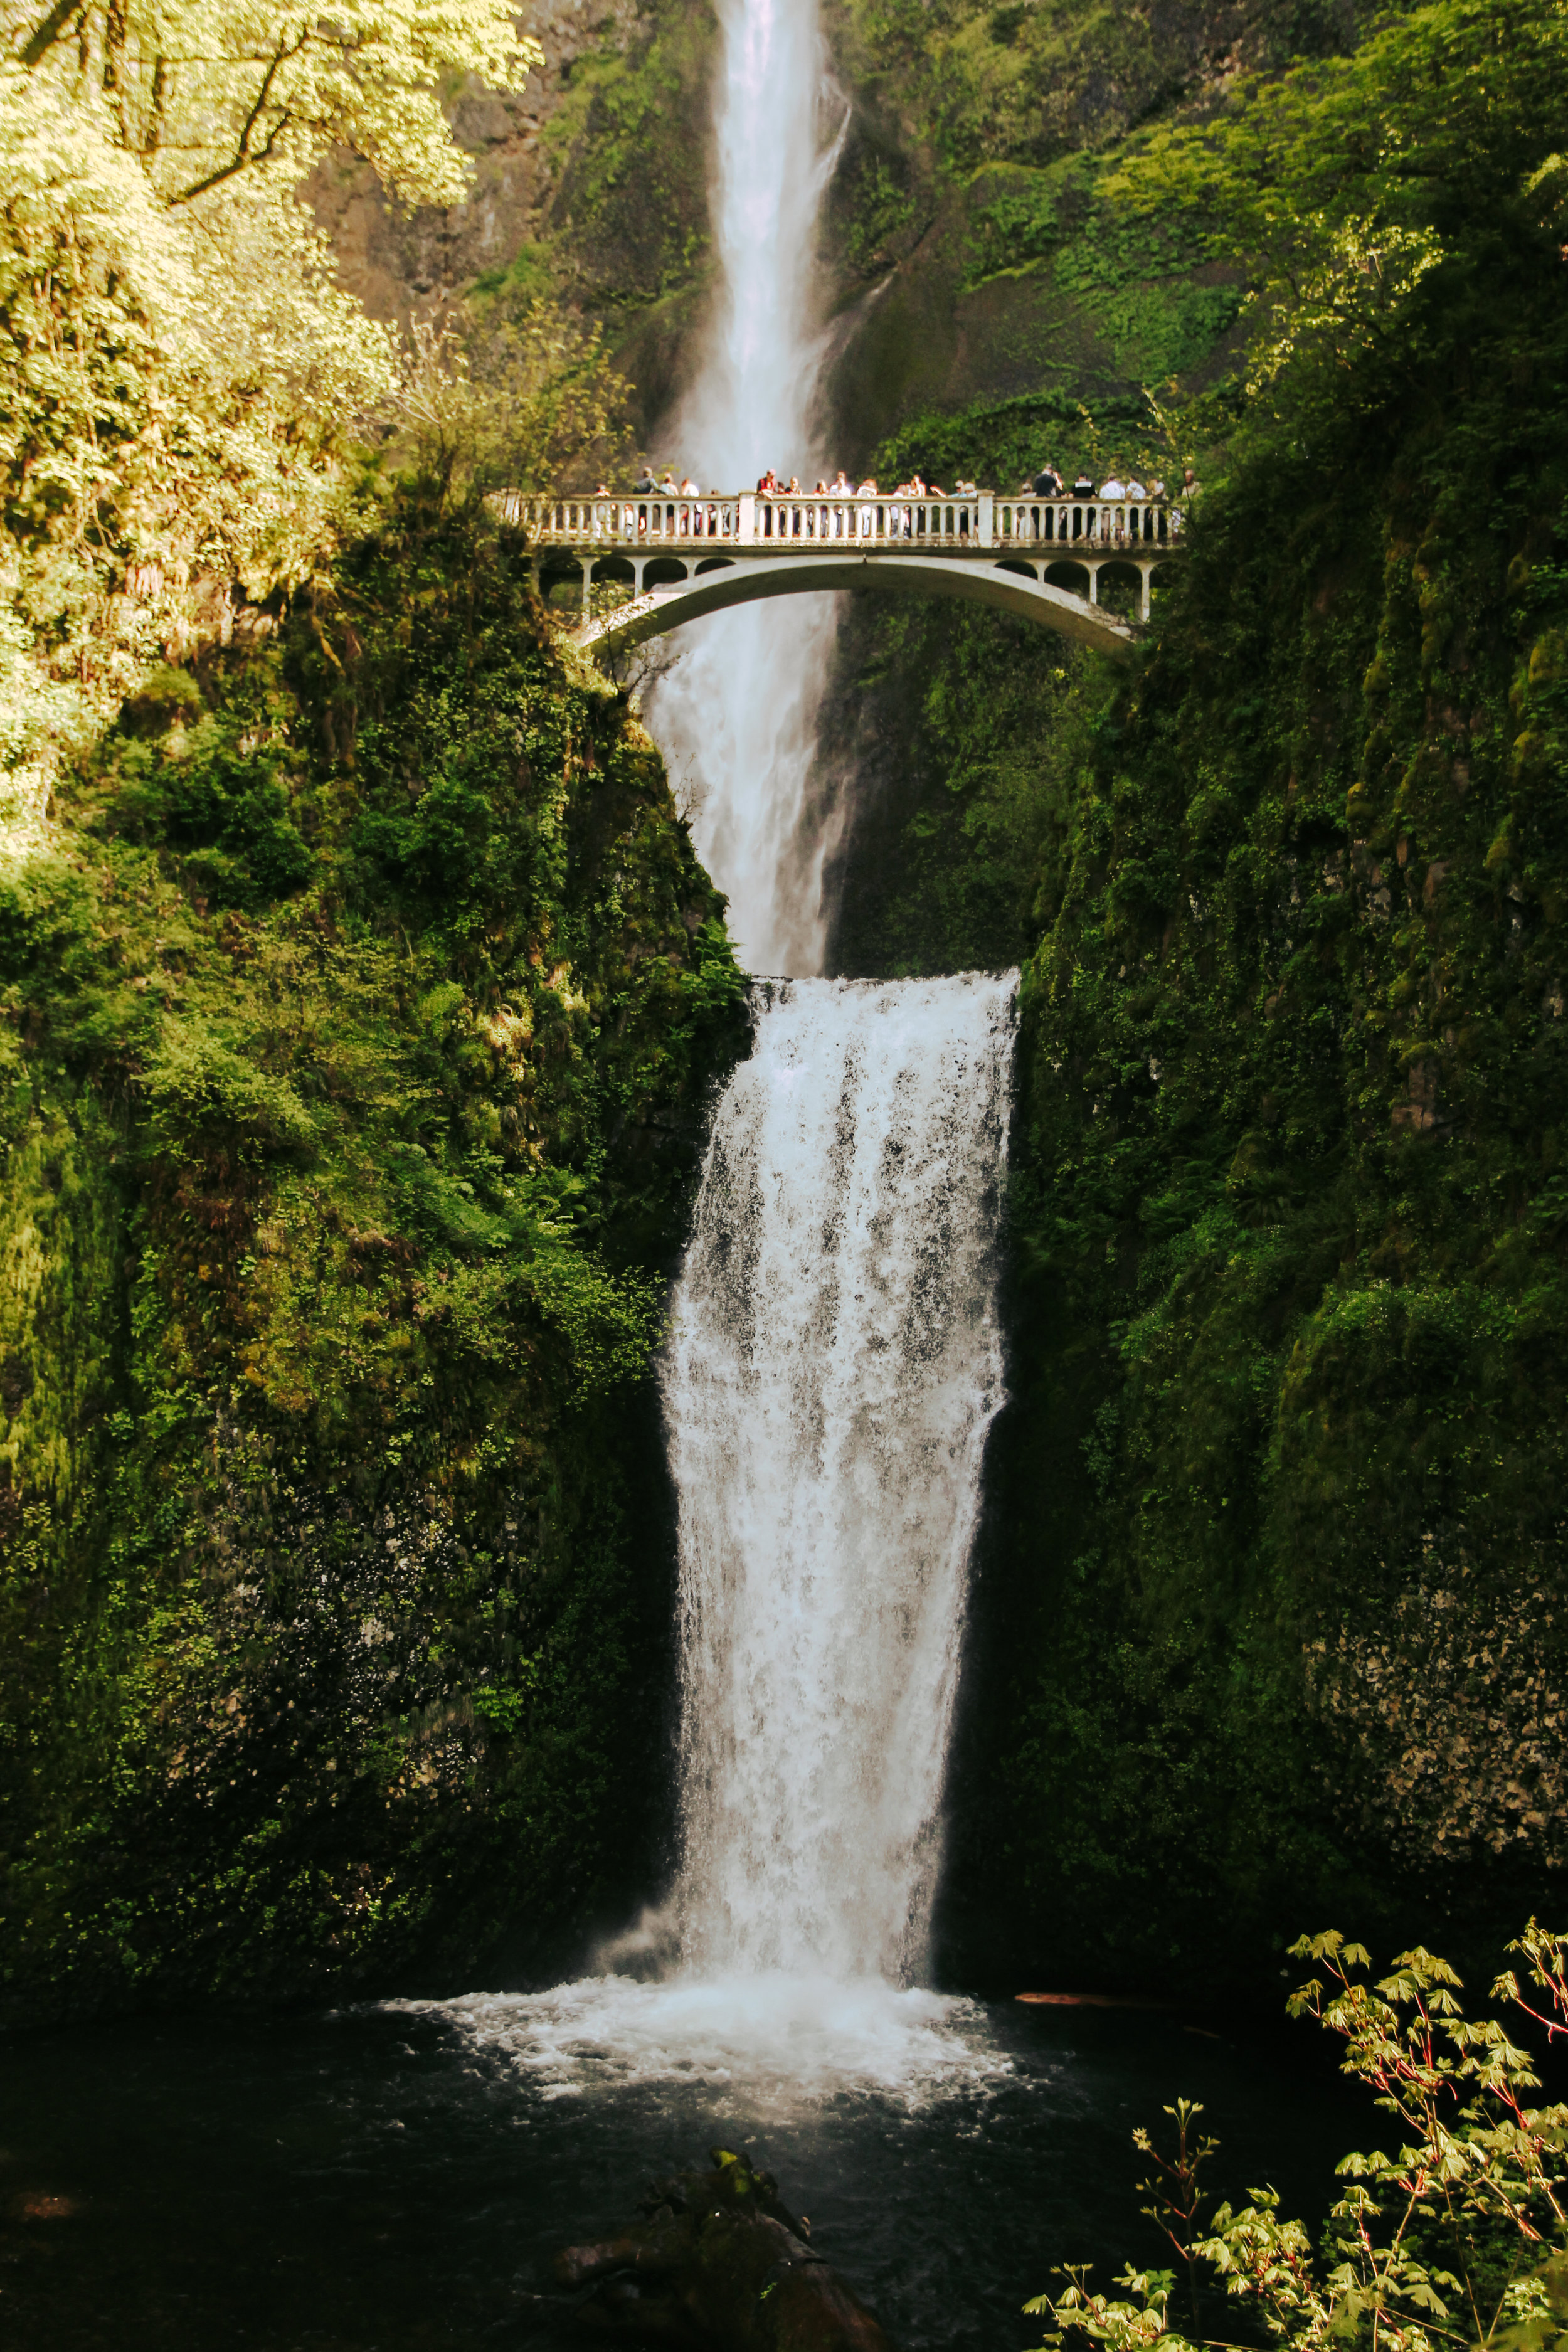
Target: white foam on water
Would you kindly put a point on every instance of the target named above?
(770, 2041)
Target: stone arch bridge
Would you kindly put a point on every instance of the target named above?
(683, 557)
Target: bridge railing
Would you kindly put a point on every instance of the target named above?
(958, 524)
(1087, 523)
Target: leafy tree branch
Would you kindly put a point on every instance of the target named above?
(1458, 2235)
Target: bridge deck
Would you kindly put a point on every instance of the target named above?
(686, 556)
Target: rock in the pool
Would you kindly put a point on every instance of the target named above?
(717, 2264)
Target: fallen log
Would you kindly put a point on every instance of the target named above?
(717, 2264)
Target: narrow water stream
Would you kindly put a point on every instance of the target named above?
(737, 718)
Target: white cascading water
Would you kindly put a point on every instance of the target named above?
(835, 1359)
(834, 1365)
(737, 716)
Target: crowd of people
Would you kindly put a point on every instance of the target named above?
(770, 485)
(1047, 484)
(1050, 484)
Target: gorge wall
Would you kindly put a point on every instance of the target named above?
(358, 1043)
(1274, 1584)
(361, 1019)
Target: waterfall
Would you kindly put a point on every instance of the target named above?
(834, 1361)
(834, 1365)
(737, 718)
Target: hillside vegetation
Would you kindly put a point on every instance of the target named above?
(359, 994)
(1278, 1508)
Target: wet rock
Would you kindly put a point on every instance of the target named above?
(718, 2264)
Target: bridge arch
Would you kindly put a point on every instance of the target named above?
(718, 583)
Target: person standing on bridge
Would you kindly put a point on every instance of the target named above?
(1047, 483)
(1187, 493)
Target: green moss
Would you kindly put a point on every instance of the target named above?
(1004, 443)
(629, 143)
(1274, 1551)
(338, 1191)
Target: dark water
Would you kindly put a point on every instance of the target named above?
(379, 2182)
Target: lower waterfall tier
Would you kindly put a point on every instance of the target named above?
(835, 1365)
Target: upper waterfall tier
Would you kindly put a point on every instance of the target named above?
(737, 718)
(834, 1367)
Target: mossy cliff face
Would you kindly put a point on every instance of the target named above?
(360, 1006)
(965, 253)
(970, 256)
(590, 183)
(1274, 1610)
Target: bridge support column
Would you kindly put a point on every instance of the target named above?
(639, 565)
(1093, 572)
(587, 570)
(1145, 574)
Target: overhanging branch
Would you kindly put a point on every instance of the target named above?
(246, 153)
(42, 39)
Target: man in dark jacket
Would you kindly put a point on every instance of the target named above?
(1047, 483)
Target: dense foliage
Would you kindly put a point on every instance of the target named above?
(1277, 1511)
(359, 1013)
(1458, 2234)
(180, 362)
